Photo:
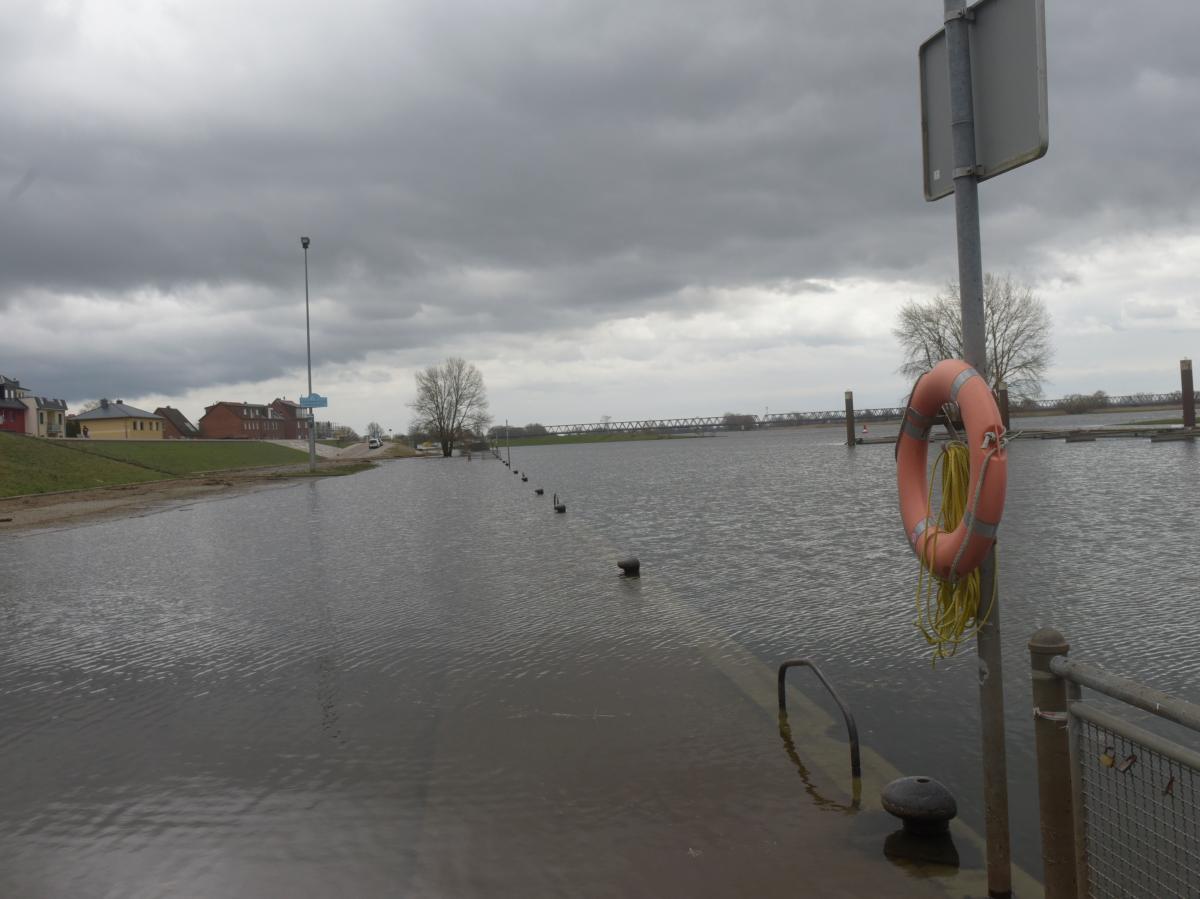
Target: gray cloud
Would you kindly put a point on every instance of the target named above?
(475, 169)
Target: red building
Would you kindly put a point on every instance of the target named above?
(175, 424)
(295, 418)
(242, 421)
(12, 410)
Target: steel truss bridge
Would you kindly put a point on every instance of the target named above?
(833, 416)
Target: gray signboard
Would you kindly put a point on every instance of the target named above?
(1008, 75)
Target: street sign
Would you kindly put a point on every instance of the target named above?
(1008, 77)
(314, 401)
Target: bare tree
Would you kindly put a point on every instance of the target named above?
(451, 400)
(1017, 329)
(375, 429)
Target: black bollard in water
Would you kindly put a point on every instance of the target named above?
(538, 490)
(630, 566)
(922, 803)
(524, 478)
(558, 507)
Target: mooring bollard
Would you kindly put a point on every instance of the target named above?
(630, 566)
(850, 441)
(1055, 796)
(922, 803)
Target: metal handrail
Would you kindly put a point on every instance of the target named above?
(1157, 703)
(851, 727)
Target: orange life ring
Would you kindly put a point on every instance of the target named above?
(950, 556)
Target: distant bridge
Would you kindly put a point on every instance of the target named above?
(832, 416)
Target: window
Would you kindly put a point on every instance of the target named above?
(41, 418)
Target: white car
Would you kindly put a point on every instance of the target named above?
(374, 443)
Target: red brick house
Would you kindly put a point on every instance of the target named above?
(295, 418)
(175, 424)
(12, 410)
(242, 421)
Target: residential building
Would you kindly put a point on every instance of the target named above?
(114, 420)
(295, 418)
(45, 417)
(241, 421)
(175, 424)
(12, 408)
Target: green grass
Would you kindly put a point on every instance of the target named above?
(551, 440)
(1154, 421)
(184, 457)
(30, 465)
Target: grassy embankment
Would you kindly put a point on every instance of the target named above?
(31, 465)
(1153, 421)
(552, 440)
(180, 458)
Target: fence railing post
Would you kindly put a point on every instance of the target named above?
(1051, 729)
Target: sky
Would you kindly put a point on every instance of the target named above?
(642, 209)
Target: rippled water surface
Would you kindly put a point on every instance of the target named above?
(421, 681)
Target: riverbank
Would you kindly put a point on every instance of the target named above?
(47, 484)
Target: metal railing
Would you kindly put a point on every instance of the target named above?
(1120, 805)
(851, 726)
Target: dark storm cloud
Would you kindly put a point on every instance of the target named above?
(522, 167)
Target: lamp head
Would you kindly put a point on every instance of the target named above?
(304, 242)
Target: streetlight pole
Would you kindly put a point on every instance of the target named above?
(312, 413)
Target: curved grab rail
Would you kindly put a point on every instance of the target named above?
(851, 727)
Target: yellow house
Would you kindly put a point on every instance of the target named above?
(114, 420)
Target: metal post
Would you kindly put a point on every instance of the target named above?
(312, 413)
(1002, 402)
(970, 288)
(849, 418)
(507, 445)
(1189, 393)
(1053, 736)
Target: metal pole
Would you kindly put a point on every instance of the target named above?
(1002, 400)
(507, 445)
(970, 289)
(312, 413)
(1053, 736)
(1189, 393)
(850, 418)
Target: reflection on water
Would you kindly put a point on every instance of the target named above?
(421, 681)
(814, 792)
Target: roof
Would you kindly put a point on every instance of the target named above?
(111, 409)
(44, 402)
(177, 418)
(245, 410)
(8, 382)
(11, 404)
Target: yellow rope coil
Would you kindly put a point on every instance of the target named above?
(952, 618)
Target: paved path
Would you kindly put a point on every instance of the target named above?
(354, 451)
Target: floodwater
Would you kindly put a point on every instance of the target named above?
(420, 681)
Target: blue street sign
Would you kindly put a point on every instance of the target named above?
(314, 401)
